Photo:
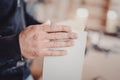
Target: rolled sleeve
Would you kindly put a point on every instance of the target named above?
(10, 55)
(9, 47)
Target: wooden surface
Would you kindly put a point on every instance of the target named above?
(103, 66)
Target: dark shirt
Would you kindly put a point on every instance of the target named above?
(13, 19)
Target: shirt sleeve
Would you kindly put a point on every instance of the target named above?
(10, 55)
(9, 47)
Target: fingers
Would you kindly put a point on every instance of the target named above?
(55, 53)
(56, 28)
(51, 33)
(57, 44)
(60, 36)
(56, 32)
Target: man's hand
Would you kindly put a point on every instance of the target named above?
(36, 40)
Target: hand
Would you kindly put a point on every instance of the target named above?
(36, 40)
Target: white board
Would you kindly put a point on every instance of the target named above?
(67, 67)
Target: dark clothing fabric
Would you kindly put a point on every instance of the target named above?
(13, 19)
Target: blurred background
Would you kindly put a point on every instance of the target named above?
(102, 21)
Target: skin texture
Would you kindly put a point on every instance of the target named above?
(36, 40)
